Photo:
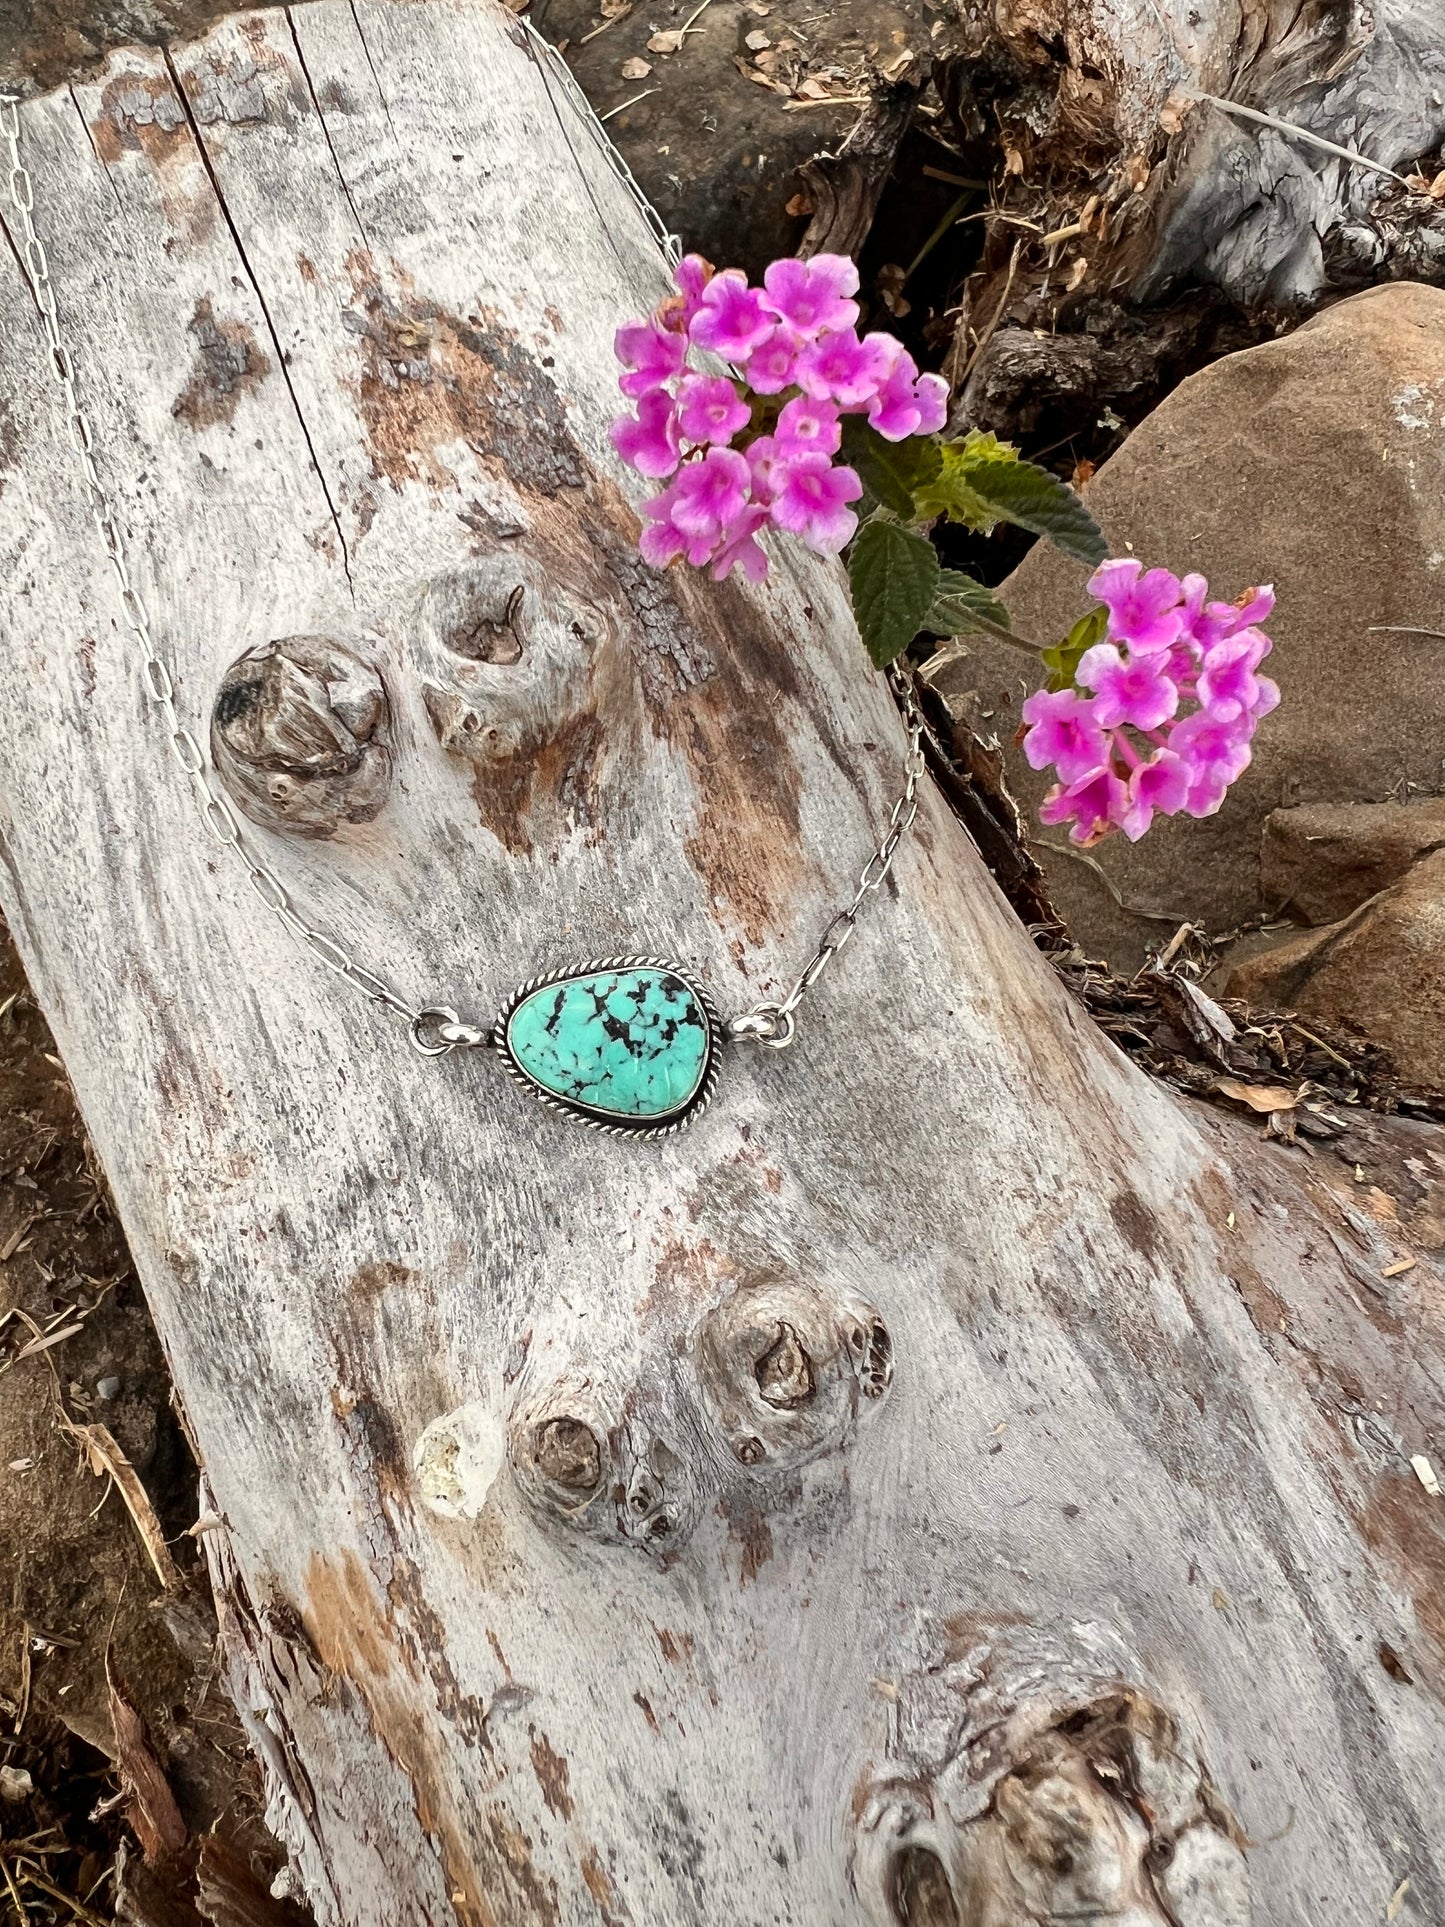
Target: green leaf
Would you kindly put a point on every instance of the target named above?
(949, 492)
(1062, 661)
(1025, 494)
(957, 601)
(893, 573)
(891, 472)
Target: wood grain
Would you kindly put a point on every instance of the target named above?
(1139, 1489)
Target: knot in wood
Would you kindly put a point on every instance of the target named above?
(301, 736)
(1048, 1806)
(785, 1372)
(786, 1368)
(568, 1453)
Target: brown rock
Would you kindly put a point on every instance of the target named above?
(1316, 462)
(1320, 861)
(1379, 972)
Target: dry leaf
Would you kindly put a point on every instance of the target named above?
(890, 289)
(152, 1809)
(12, 1243)
(667, 42)
(759, 7)
(813, 89)
(105, 1458)
(1076, 274)
(1137, 172)
(1013, 161)
(1397, 1899)
(757, 39)
(636, 69)
(1437, 186)
(1174, 111)
(895, 68)
(1259, 1097)
(799, 205)
(44, 1343)
(615, 9)
(767, 60)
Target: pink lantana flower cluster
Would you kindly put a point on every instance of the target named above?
(756, 448)
(1162, 711)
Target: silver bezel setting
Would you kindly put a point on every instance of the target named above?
(610, 1126)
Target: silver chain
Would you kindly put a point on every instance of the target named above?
(773, 1024)
(436, 1029)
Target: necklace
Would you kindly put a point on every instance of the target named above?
(626, 1045)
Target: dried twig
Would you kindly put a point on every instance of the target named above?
(1299, 133)
(994, 319)
(104, 1456)
(623, 105)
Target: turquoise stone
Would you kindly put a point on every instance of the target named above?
(630, 1043)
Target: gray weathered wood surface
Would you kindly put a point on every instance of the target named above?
(1137, 1508)
(1261, 214)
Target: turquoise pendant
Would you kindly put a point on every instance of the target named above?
(626, 1045)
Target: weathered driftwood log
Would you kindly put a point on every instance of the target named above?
(953, 1483)
(1109, 103)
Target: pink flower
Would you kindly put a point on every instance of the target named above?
(653, 354)
(812, 499)
(1228, 687)
(1162, 785)
(1063, 732)
(691, 276)
(763, 456)
(659, 542)
(1266, 697)
(730, 317)
(710, 492)
(904, 402)
(770, 367)
(648, 440)
(839, 367)
(710, 409)
(810, 296)
(808, 427)
(1204, 624)
(1253, 606)
(930, 392)
(1134, 692)
(1143, 609)
(1094, 805)
(1216, 753)
(741, 549)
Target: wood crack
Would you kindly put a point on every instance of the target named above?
(376, 77)
(90, 137)
(325, 130)
(261, 302)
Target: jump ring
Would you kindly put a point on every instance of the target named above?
(431, 1020)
